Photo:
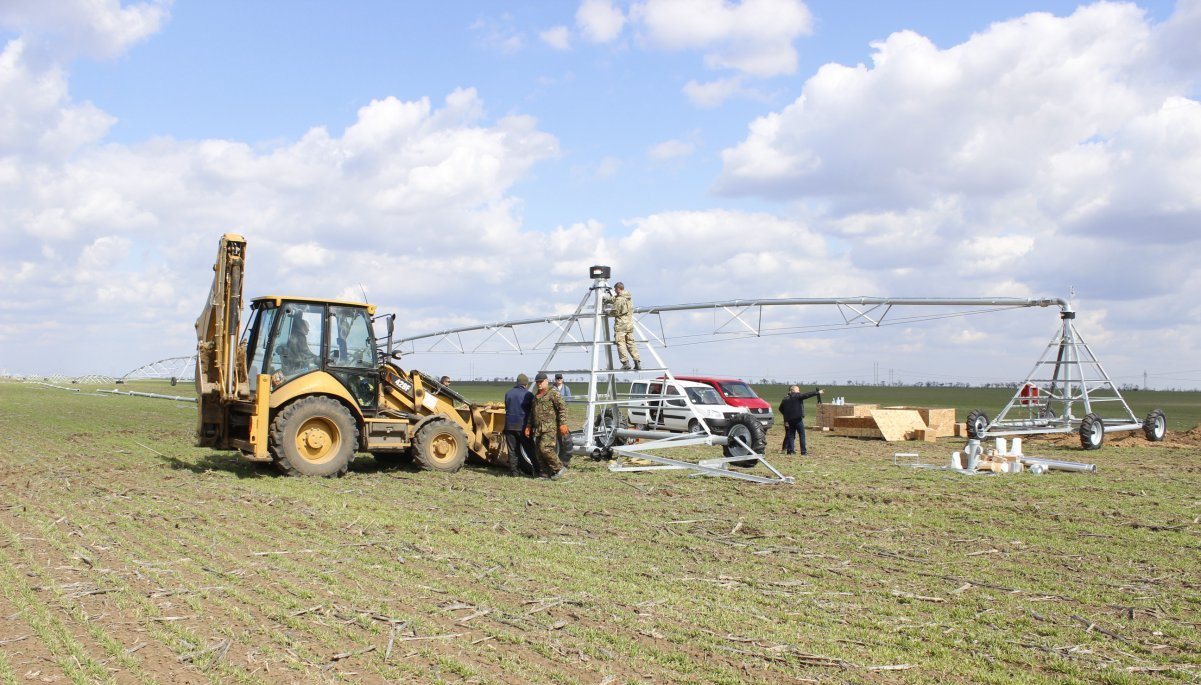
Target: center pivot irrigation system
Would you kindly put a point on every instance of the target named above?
(1068, 377)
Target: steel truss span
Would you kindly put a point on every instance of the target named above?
(1068, 377)
(726, 320)
(178, 368)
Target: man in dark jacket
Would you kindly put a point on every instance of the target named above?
(792, 409)
(519, 401)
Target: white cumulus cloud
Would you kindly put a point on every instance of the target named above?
(671, 149)
(96, 28)
(752, 37)
(1041, 154)
(558, 37)
(599, 20)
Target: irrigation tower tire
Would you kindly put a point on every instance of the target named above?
(440, 445)
(977, 423)
(1092, 432)
(747, 428)
(1155, 426)
(314, 436)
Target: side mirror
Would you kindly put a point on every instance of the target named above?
(396, 354)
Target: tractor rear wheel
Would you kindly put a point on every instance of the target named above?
(314, 436)
(440, 445)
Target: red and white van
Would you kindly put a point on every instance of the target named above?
(737, 393)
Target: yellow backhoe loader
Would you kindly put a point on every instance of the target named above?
(307, 386)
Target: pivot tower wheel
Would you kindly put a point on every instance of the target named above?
(608, 421)
(314, 436)
(745, 430)
(440, 445)
(1092, 432)
(977, 423)
(1155, 426)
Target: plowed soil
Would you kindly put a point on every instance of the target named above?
(129, 556)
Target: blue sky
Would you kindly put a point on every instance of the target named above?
(462, 161)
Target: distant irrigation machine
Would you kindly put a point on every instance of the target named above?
(1068, 378)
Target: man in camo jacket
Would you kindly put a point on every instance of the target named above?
(547, 421)
(621, 310)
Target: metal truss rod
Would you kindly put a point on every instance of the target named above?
(741, 306)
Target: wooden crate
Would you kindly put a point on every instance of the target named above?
(826, 413)
(939, 421)
(898, 424)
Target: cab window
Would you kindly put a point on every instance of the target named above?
(260, 335)
(349, 333)
(297, 342)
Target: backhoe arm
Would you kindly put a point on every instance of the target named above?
(220, 370)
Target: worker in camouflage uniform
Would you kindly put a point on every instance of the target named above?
(621, 309)
(546, 421)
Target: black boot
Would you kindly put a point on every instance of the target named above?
(637, 364)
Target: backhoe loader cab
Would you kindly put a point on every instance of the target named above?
(305, 387)
(289, 338)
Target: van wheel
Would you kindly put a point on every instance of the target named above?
(694, 426)
(747, 429)
(315, 436)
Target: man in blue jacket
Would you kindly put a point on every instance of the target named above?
(519, 401)
(792, 409)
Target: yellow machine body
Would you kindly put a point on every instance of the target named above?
(306, 382)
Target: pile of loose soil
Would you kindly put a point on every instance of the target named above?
(1171, 439)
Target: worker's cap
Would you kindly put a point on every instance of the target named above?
(540, 377)
(558, 376)
(523, 379)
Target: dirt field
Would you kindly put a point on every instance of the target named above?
(129, 556)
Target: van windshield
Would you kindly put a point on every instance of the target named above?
(737, 389)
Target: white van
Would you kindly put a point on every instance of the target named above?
(659, 405)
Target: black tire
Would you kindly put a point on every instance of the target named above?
(1092, 432)
(694, 426)
(314, 436)
(977, 423)
(607, 421)
(749, 430)
(440, 445)
(394, 458)
(1155, 426)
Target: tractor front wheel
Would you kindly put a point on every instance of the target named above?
(440, 445)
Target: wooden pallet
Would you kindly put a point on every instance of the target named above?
(889, 423)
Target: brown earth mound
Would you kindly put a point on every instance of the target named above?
(1171, 439)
